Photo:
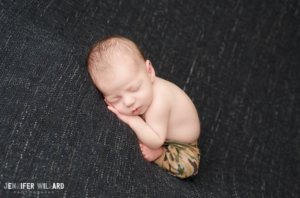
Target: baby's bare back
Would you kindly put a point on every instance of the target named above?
(183, 124)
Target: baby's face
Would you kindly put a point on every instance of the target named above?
(130, 91)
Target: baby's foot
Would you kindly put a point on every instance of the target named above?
(150, 154)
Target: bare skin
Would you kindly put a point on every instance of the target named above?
(150, 154)
(154, 108)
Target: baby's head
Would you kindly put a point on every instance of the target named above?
(120, 71)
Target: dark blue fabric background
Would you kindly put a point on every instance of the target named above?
(237, 60)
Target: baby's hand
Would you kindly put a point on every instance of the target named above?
(125, 118)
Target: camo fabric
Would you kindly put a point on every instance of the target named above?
(179, 159)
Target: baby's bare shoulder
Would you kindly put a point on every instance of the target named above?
(162, 90)
(167, 96)
(166, 90)
(161, 97)
(160, 106)
(174, 98)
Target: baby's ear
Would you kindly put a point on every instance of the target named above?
(150, 70)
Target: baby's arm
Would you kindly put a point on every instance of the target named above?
(152, 133)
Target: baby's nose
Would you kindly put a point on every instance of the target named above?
(129, 101)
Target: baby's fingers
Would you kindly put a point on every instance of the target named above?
(107, 102)
(124, 118)
(113, 110)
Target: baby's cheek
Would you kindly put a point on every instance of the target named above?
(148, 95)
(145, 93)
(121, 109)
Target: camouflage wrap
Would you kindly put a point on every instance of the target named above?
(179, 159)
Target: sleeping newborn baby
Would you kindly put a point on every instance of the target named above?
(162, 116)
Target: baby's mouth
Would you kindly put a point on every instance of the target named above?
(136, 110)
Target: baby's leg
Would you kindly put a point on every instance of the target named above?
(150, 154)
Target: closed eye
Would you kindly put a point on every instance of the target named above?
(115, 100)
(137, 88)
